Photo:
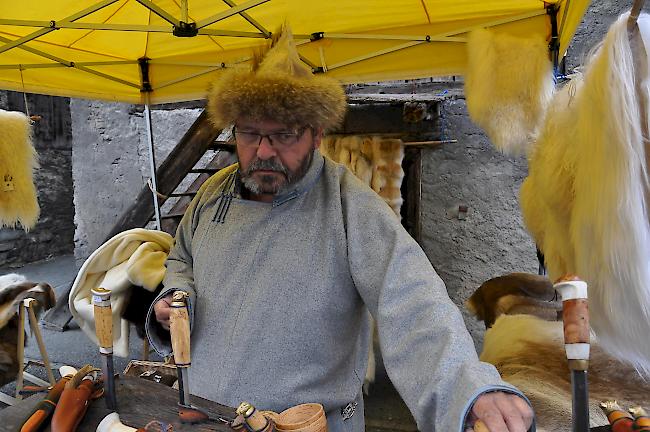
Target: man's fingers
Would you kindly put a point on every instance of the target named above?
(511, 413)
(501, 412)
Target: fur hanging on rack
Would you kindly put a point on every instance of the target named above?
(508, 85)
(18, 203)
(375, 160)
(585, 199)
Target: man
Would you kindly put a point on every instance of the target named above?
(284, 255)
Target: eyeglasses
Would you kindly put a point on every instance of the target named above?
(279, 140)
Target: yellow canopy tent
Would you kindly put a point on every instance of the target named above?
(114, 49)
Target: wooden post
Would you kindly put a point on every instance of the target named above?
(33, 323)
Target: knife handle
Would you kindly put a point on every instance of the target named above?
(575, 315)
(179, 327)
(103, 319)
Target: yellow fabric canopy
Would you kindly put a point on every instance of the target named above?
(110, 49)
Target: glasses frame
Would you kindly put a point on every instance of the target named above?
(297, 134)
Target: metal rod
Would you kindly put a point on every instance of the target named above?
(49, 28)
(184, 11)
(248, 18)
(152, 161)
(230, 12)
(159, 11)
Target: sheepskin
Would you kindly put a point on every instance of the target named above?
(18, 199)
(508, 85)
(585, 200)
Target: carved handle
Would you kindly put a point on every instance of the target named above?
(103, 319)
(575, 314)
(179, 327)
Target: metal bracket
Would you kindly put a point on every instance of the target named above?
(184, 29)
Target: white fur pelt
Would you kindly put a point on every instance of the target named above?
(585, 198)
(18, 202)
(376, 161)
(508, 85)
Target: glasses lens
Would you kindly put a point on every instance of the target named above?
(247, 138)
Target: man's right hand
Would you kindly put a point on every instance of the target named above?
(161, 308)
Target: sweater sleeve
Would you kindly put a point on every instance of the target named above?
(427, 350)
(180, 274)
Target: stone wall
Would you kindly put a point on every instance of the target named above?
(111, 162)
(54, 231)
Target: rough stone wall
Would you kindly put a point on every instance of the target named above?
(111, 162)
(53, 233)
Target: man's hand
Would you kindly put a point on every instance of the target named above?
(161, 309)
(500, 412)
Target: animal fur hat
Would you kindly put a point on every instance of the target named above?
(279, 87)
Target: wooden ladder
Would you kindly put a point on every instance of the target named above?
(193, 160)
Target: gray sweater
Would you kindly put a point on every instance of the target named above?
(280, 294)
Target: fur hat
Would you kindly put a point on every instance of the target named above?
(279, 87)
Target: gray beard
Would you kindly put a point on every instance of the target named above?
(266, 185)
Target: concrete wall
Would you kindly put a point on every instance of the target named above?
(53, 233)
(110, 162)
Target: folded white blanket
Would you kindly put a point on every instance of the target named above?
(134, 257)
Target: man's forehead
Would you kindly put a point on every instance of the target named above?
(262, 124)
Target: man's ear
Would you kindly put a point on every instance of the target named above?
(318, 137)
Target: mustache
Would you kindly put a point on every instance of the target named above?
(268, 165)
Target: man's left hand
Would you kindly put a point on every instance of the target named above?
(501, 412)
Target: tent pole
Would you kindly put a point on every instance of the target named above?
(152, 161)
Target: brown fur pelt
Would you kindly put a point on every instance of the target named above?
(13, 290)
(528, 352)
(514, 293)
(376, 161)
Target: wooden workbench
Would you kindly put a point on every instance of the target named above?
(139, 401)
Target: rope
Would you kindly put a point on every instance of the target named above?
(20, 68)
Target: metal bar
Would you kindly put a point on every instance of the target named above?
(494, 23)
(184, 11)
(635, 11)
(152, 160)
(231, 33)
(425, 38)
(186, 78)
(228, 13)
(93, 26)
(248, 18)
(58, 65)
(50, 28)
(159, 11)
(108, 77)
(373, 55)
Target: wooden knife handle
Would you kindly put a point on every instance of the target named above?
(103, 318)
(179, 327)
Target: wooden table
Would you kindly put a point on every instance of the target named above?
(139, 401)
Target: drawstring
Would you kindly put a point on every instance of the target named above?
(227, 194)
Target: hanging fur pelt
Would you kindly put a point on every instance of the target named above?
(585, 200)
(376, 161)
(508, 85)
(14, 289)
(18, 203)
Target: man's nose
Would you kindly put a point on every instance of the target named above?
(265, 150)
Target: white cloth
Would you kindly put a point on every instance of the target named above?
(134, 257)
